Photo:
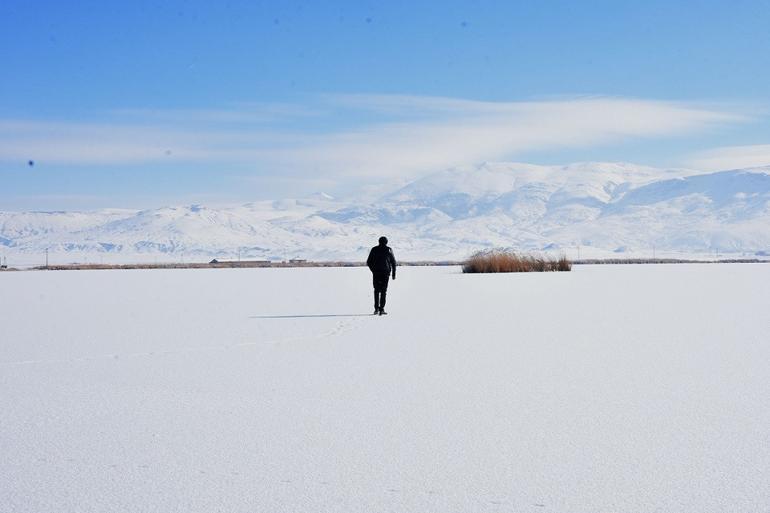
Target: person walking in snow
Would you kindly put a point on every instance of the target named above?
(382, 263)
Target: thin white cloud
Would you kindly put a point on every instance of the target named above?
(126, 143)
(732, 157)
(403, 135)
(469, 132)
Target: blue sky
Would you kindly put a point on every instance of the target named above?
(138, 104)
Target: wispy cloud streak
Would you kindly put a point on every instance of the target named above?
(402, 135)
(732, 157)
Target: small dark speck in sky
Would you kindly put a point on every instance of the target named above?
(31, 163)
(368, 20)
(168, 152)
(276, 21)
(464, 24)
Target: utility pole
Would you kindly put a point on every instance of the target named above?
(46, 258)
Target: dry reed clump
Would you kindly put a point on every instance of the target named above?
(511, 262)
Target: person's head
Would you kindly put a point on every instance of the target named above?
(383, 241)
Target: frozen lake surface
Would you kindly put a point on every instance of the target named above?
(612, 388)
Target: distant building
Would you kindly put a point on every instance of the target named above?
(215, 261)
(297, 261)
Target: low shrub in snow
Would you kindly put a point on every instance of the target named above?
(504, 261)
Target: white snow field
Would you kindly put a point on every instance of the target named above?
(607, 389)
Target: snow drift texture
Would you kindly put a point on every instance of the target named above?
(606, 209)
(631, 389)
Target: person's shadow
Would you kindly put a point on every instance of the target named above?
(309, 316)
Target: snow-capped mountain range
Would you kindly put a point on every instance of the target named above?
(586, 209)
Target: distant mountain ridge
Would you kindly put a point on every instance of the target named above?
(601, 209)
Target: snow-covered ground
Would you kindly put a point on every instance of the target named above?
(610, 388)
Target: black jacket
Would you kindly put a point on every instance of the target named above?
(381, 260)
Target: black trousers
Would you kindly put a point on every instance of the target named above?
(380, 282)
